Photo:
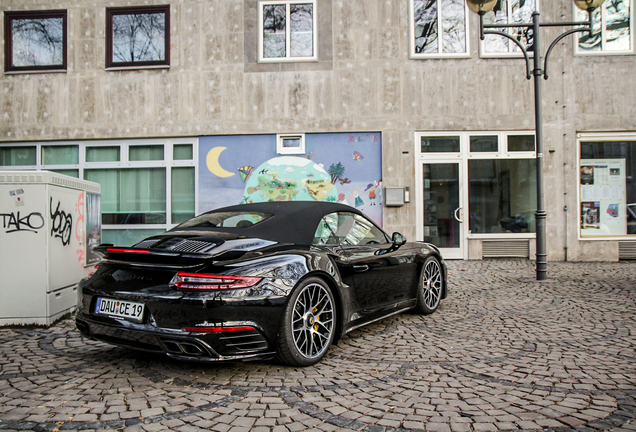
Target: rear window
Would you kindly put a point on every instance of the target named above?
(226, 220)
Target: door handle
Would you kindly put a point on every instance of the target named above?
(457, 217)
(360, 268)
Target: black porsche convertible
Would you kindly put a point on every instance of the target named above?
(275, 279)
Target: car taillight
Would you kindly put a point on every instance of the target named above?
(198, 281)
(217, 329)
(126, 250)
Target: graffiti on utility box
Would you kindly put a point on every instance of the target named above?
(15, 222)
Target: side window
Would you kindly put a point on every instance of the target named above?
(348, 229)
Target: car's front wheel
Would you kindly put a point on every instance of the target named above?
(430, 286)
(308, 324)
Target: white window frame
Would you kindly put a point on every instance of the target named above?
(288, 57)
(510, 53)
(606, 137)
(580, 15)
(463, 156)
(281, 149)
(440, 40)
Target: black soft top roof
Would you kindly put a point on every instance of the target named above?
(293, 221)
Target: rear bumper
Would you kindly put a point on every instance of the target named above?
(179, 344)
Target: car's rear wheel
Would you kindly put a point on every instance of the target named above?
(430, 286)
(308, 324)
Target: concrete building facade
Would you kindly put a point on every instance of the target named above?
(401, 93)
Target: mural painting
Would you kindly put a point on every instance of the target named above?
(338, 167)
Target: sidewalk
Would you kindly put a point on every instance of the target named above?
(503, 352)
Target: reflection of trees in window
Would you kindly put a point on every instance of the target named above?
(274, 30)
(510, 11)
(138, 36)
(300, 30)
(612, 28)
(434, 17)
(37, 42)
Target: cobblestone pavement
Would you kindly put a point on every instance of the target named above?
(503, 352)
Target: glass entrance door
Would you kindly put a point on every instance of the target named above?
(443, 213)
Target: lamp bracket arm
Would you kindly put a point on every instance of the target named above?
(556, 41)
(521, 47)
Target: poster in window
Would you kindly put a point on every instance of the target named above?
(603, 194)
(93, 226)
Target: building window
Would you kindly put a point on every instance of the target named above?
(287, 31)
(607, 186)
(290, 144)
(138, 36)
(148, 186)
(504, 12)
(438, 28)
(19, 156)
(502, 195)
(35, 40)
(612, 29)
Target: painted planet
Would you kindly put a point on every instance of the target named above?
(289, 178)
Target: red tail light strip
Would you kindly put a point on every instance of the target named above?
(126, 250)
(217, 329)
(199, 281)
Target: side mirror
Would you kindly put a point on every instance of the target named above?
(398, 239)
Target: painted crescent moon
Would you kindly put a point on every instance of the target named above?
(212, 160)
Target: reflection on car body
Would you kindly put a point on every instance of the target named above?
(287, 284)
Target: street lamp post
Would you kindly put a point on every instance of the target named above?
(481, 7)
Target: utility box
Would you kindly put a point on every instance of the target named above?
(49, 225)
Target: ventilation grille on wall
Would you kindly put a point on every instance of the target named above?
(626, 250)
(505, 248)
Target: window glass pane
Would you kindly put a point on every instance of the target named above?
(441, 201)
(145, 153)
(454, 26)
(60, 155)
(37, 42)
(274, 31)
(138, 37)
(131, 196)
(182, 194)
(440, 144)
(102, 154)
(301, 29)
(502, 195)
(128, 237)
(425, 22)
(611, 31)
(484, 143)
(510, 11)
(68, 172)
(608, 188)
(16, 156)
(618, 36)
(182, 152)
(520, 143)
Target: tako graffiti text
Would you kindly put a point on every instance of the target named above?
(15, 222)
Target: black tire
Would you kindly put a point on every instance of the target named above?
(430, 285)
(308, 324)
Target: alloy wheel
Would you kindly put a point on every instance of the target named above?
(432, 284)
(313, 321)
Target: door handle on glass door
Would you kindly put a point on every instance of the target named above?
(457, 217)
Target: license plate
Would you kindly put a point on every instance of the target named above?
(120, 309)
